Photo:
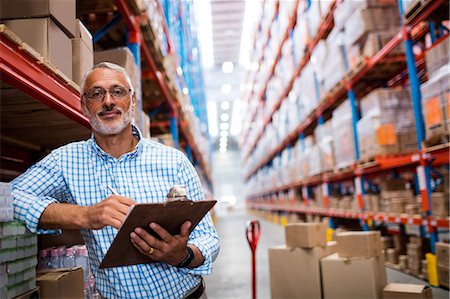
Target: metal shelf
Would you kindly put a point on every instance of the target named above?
(174, 103)
(377, 216)
(324, 29)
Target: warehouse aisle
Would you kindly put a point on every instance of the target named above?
(231, 277)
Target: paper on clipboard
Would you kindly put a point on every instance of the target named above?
(169, 215)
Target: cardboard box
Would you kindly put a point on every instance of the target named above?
(439, 204)
(443, 276)
(306, 235)
(63, 12)
(353, 278)
(47, 38)
(442, 254)
(295, 272)
(61, 283)
(124, 58)
(407, 291)
(359, 244)
(392, 256)
(82, 53)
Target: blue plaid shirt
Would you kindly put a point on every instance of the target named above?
(79, 173)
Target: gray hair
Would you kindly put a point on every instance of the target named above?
(107, 65)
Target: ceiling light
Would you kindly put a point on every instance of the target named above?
(224, 117)
(225, 105)
(223, 150)
(226, 88)
(223, 139)
(227, 67)
(179, 71)
(211, 107)
(224, 133)
(224, 126)
(185, 90)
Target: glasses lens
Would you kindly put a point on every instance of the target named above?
(118, 92)
(96, 94)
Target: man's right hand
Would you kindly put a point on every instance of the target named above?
(109, 212)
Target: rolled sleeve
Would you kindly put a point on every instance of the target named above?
(35, 190)
(204, 236)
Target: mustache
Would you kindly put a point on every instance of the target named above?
(110, 108)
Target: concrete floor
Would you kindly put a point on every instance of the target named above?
(231, 277)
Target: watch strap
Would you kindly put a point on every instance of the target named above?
(188, 259)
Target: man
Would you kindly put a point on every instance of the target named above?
(70, 189)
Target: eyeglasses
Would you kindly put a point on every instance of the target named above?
(97, 93)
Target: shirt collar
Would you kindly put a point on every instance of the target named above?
(134, 130)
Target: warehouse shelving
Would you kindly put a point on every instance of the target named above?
(24, 69)
(395, 70)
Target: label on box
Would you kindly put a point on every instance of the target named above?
(421, 177)
(386, 134)
(433, 115)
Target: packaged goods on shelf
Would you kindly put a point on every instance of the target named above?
(403, 290)
(442, 256)
(439, 204)
(345, 9)
(371, 202)
(299, 37)
(386, 242)
(353, 277)
(307, 92)
(324, 140)
(424, 267)
(334, 64)
(47, 38)
(396, 201)
(124, 58)
(392, 256)
(377, 40)
(6, 205)
(62, 12)
(295, 272)
(437, 57)
(359, 244)
(313, 17)
(153, 18)
(403, 262)
(343, 141)
(366, 20)
(387, 125)
(306, 235)
(286, 65)
(415, 255)
(412, 209)
(82, 52)
(435, 102)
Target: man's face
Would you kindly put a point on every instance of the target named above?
(110, 115)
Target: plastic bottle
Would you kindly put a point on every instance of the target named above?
(69, 260)
(44, 258)
(81, 259)
(54, 259)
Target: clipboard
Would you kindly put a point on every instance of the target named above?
(170, 215)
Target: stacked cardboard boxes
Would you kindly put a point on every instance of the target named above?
(82, 52)
(343, 141)
(407, 291)
(18, 251)
(357, 269)
(46, 25)
(295, 267)
(387, 124)
(443, 263)
(440, 204)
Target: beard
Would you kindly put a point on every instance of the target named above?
(109, 127)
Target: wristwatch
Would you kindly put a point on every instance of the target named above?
(188, 259)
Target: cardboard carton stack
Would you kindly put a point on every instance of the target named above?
(440, 204)
(443, 263)
(435, 102)
(18, 259)
(82, 52)
(295, 267)
(47, 26)
(357, 269)
(387, 125)
(395, 197)
(343, 142)
(415, 250)
(407, 291)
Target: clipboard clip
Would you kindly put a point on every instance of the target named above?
(177, 193)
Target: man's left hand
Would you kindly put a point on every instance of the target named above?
(170, 249)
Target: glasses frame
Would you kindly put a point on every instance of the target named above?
(84, 95)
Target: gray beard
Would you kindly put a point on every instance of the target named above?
(100, 127)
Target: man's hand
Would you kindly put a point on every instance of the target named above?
(170, 249)
(109, 212)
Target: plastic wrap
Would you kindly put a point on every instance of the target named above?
(343, 142)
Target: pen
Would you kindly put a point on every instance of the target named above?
(113, 191)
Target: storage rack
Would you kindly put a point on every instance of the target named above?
(421, 161)
(24, 70)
